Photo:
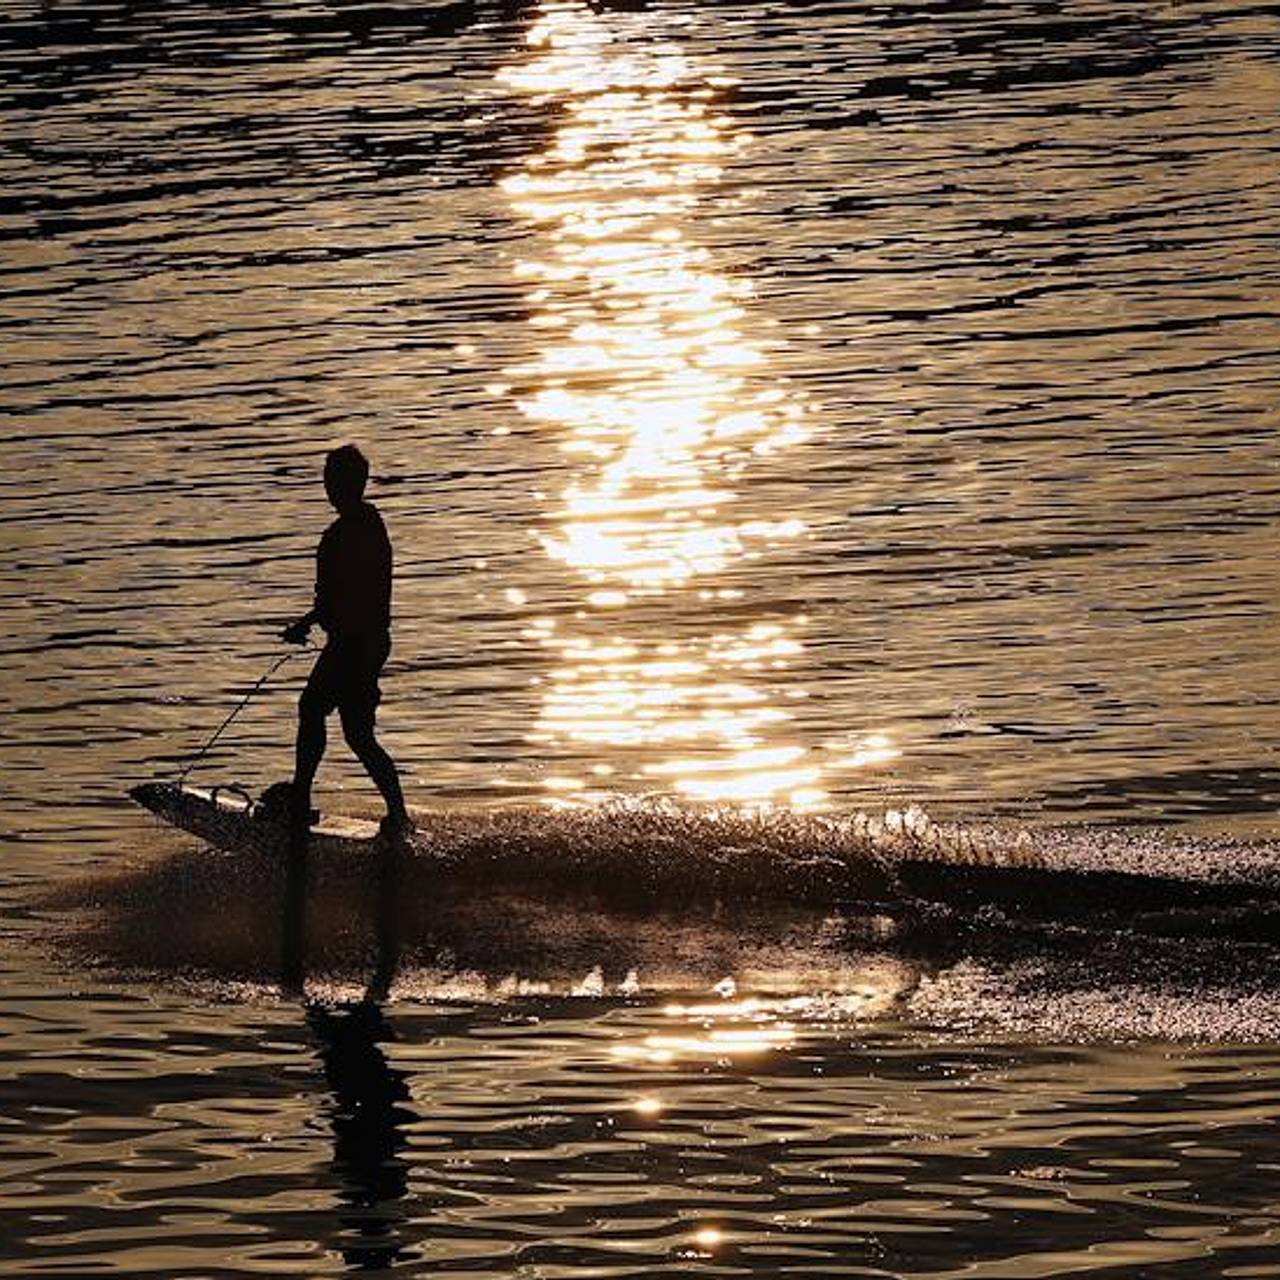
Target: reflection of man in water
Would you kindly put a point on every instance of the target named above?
(370, 1107)
(353, 605)
(369, 1113)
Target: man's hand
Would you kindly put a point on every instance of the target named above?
(297, 632)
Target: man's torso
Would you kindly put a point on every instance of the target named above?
(353, 576)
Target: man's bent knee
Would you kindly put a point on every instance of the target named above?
(357, 729)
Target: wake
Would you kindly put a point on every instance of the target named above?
(1073, 932)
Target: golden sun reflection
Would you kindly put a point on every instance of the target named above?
(724, 1031)
(721, 1044)
(662, 404)
(730, 1028)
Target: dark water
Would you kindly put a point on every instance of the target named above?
(842, 407)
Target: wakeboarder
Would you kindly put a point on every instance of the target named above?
(353, 606)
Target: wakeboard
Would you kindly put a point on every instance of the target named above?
(229, 818)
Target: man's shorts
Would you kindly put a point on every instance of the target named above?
(346, 675)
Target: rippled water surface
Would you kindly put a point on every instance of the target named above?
(838, 406)
(480, 1141)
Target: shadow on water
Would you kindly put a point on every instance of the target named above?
(948, 940)
(369, 1095)
(250, 918)
(368, 1114)
(368, 1092)
(388, 880)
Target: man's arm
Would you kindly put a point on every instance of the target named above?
(296, 632)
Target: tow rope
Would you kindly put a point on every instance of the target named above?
(240, 706)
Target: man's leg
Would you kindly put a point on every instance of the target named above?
(308, 752)
(357, 728)
(314, 705)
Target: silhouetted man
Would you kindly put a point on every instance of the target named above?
(353, 605)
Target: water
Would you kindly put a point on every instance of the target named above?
(535, 1153)
(845, 407)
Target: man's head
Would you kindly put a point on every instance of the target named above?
(346, 470)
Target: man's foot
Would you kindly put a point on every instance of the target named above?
(396, 826)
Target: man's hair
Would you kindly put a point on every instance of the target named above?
(346, 470)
